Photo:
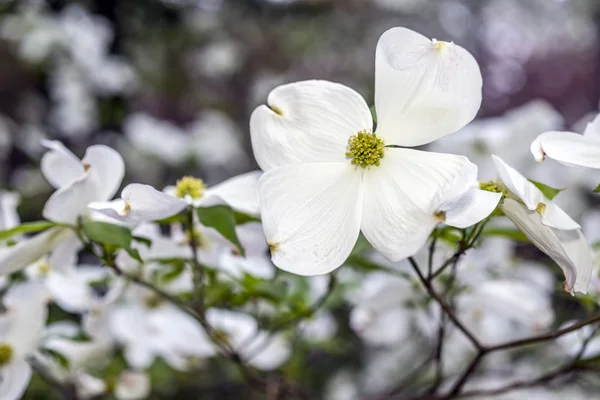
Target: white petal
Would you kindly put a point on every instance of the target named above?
(30, 250)
(311, 215)
(107, 168)
(139, 354)
(14, 379)
(132, 386)
(59, 166)
(553, 215)
(68, 203)
(239, 192)
(577, 270)
(576, 247)
(307, 121)
(593, 128)
(69, 291)
(403, 193)
(141, 203)
(471, 207)
(423, 89)
(568, 148)
(28, 320)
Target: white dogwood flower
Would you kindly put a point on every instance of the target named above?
(570, 148)
(96, 177)
(143, 203)
(329, 175)
(547, 226)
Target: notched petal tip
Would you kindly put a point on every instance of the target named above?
(275, 109)
(540, 208)
(273, 247)
(537, 150)
(440, 216)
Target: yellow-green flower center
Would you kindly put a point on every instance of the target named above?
(152, 301)
(365, 149)
(6, 353)
(190, 186)
(493, 186)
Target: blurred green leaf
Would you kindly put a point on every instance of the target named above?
(27, 227)
(272, 290)
(105, 233)
(221, 218)
(510, 233)
(448, 234)
(597, 189)
(143, 240)
(243, 218)
(59, 358)
(548, 191)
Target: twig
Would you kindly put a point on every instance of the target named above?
(197, 267)
(445, 307)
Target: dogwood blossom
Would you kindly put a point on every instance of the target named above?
(96, 177)
(547, 226)
(329, 174)
(141, 203)
(570, 148)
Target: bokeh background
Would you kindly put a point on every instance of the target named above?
(171, 85)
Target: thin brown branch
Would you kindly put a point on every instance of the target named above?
(445, 306)
(197, 267)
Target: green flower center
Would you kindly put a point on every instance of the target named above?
(365, 149)
(190, 186)
(6, 353)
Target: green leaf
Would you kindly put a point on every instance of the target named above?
(511, 233)
(597, 189)
(242, 218)
(548, 191)
(221, 218)
(108, 234)
(27, 227)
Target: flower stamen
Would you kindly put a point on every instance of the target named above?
(190, 186)
(365, 149)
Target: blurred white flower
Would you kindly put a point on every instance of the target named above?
(74, 111)
(220, 58)
(547, 226)
(386, 311)
(159, 138)
(501, 310)
(256, 261)
(21, 329)
(323, 181)
(148, 327)
(215, 130)
(259, 348)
